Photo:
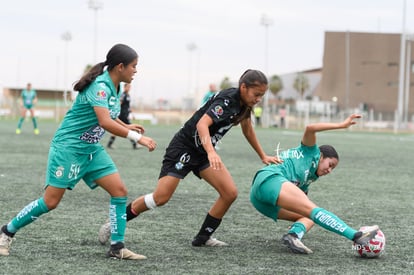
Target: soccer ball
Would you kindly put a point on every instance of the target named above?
(374, 248)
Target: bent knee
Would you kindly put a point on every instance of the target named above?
(161, 199)
(230, 195)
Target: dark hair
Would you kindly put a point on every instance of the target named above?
(251, 78)
(328, 152)
(118, 54)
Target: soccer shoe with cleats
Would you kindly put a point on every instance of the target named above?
(36, 131)
(124, 254)
(18, 131)
(104, 233)
(5, 242)
(207, 241)
(295, 245)
(363, 238)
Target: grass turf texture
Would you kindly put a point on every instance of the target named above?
(371, 185)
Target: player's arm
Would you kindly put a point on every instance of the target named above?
(204, 133)
(251, 137)
(35, 99)
(309, 136)
(116, 128)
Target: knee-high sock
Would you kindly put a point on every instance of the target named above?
(298, 228)
(27, 215)
(332, 223)
(117, 218)
(210, 225)
(19, 124)
(34, 122)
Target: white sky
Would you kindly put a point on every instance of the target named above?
(227, 33)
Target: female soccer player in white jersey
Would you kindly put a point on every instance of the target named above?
(192, 150)
(280, 191)
(75, 152)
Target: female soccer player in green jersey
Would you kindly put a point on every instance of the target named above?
(75, 152)
(280, 191)
(28, 101)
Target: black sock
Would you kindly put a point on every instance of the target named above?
(210, 225)
(129, 213)
(5, 231)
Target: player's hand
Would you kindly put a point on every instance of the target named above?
(215, 160)
(271, 159)
(148, 142)
(350, 120)
(136, 127)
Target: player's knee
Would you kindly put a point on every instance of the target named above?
(230, 195)
(150, 202)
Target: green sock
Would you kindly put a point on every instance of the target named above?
(34, 122)
(298, 228)
(27, 215)
(117, 218)
(19, 125)
(332, 223)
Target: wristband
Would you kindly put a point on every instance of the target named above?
(134, 136)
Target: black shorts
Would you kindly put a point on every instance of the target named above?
(124, 119)
(179, 160)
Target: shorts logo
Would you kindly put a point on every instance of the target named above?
(59, 172)
(218, 111)
(185, 158)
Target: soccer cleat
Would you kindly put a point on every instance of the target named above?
(207, 241)
(18, 131)
(36, 131)
(104, 233)
(295, 245)
(124, 254)
(363, 238)
(5, 242)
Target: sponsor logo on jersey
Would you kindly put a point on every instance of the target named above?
(217, 111)
(101, 95)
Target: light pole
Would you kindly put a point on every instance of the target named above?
(408, 71)
(401, 73)
(191, 47)
(266, 22)
(95, 6)
(66, 37)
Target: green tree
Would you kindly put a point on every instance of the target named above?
(225, 83)
(301, 84)
(275, 84)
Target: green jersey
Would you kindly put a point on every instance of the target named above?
(28, 96)
(299, 165)
(80, 129)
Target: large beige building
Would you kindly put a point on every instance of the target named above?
(362, 70)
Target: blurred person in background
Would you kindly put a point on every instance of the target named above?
(28, 100)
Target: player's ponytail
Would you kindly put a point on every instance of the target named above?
(89, 77)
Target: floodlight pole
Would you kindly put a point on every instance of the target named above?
(401, 73)
(66, 37)
(95, 6)
(266, 22)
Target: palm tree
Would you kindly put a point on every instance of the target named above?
(275, 84)
(301, 83)
(225, 83)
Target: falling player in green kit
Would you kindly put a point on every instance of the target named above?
(280, 191)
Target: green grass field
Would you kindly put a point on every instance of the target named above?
(371, 185)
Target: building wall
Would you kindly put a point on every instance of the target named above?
(372, 78)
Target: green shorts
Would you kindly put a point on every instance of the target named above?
(65, 168)
(265, 192)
